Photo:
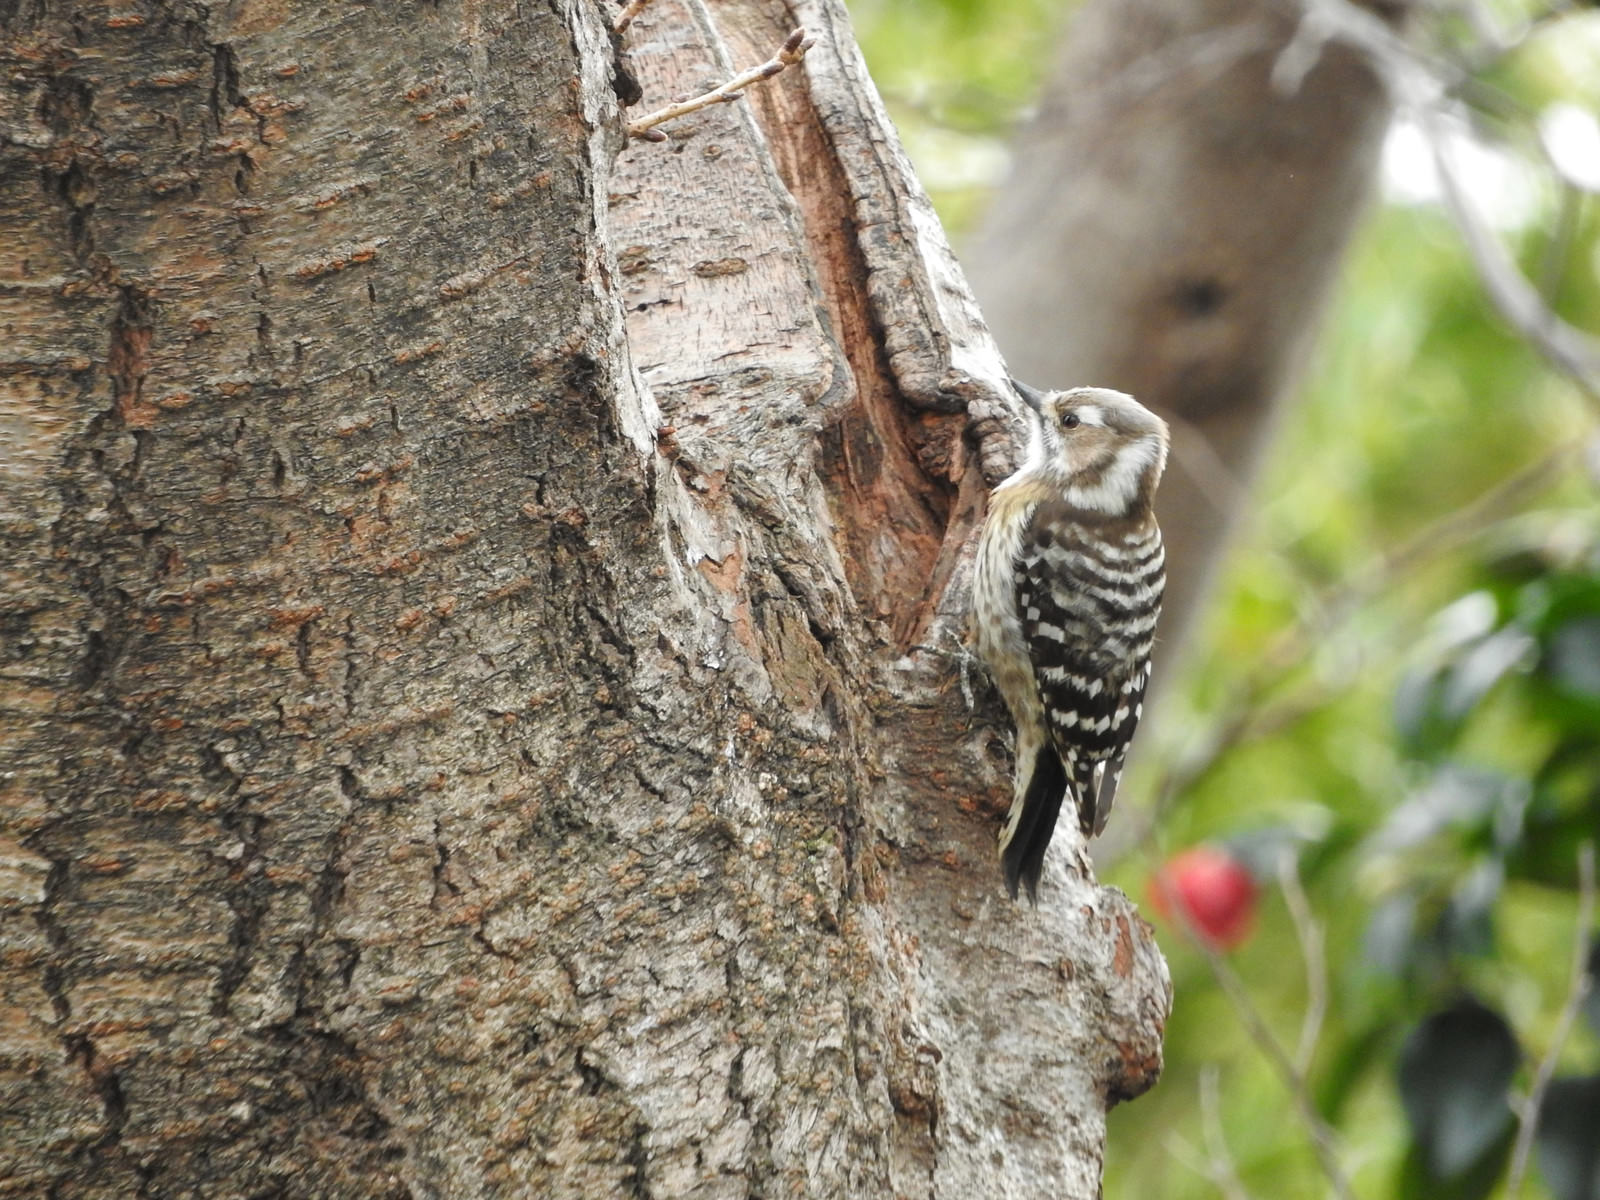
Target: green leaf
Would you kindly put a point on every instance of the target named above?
(1353, 1057)
(1591, 1002)
(1574, 657)
(1390, 943)
(1483, 665)
(1455, 1069)
(1568, 1140)
(1454, 797)
(1477, 1181)
(1467, 926)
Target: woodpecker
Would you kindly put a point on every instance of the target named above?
(1065, 597)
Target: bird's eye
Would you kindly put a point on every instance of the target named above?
(1069, 420)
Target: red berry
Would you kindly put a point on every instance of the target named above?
(1216, 892)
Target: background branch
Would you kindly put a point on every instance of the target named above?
(1577, 992)
(1309, 933)
(1571, 351)
(1221, 1169)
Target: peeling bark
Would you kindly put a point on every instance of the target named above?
(460, 743)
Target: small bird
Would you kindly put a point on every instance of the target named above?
(1066, 593)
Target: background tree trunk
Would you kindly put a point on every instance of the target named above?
(1172, 227)
(437, 764)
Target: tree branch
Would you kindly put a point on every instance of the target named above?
(1571, 351)
(1222, 1171)
(1309, 934)
(1422, 84)
(1577, 992)
(792, 51)
(627, 15)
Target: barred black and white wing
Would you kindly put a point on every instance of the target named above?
(1088, 596)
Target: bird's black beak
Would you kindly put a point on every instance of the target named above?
(1032, 397)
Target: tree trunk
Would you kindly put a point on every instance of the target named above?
(458, 743)
(1172, 227)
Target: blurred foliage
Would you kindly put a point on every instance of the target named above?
(957, 75)
(1431, 750)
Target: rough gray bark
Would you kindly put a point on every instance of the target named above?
(1171, 229)
(437, 764)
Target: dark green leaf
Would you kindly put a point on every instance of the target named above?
(1591, 1002)
(1452, 797)
(1467, 926)
(1454, 1071)
(1475, 1182)
(1569, 1138)
(1415, 707)
(1479, 668)
(1574, 656)
(1390, 942)
(1564, 813)
(1352, 1059)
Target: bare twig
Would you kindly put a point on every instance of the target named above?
(1311, 949)
(1577, 992)
(1421, 84)
(1494, 45)
(1554, 262)
(1571, 351)
(1409, 77)
(791, 52)
(1221, 1170)
(1196, 457)
(1300, 55)
(1187, 1156)
(1323, 1140)
(626, 16)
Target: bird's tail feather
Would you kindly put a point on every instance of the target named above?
(1022, 855)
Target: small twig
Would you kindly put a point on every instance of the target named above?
(626, 16)
(1410, 76)
(1553, 267)
(1323, 1140)
(1571, 351)
(791, 52)
(1419, 83)
(1186, 1155)
(1221, 1171)
(1577, 992)
(1300, 55)
(1494, 46)
(1196, 457)
(1311, 949)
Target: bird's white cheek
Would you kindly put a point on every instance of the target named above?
(1115, 489)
